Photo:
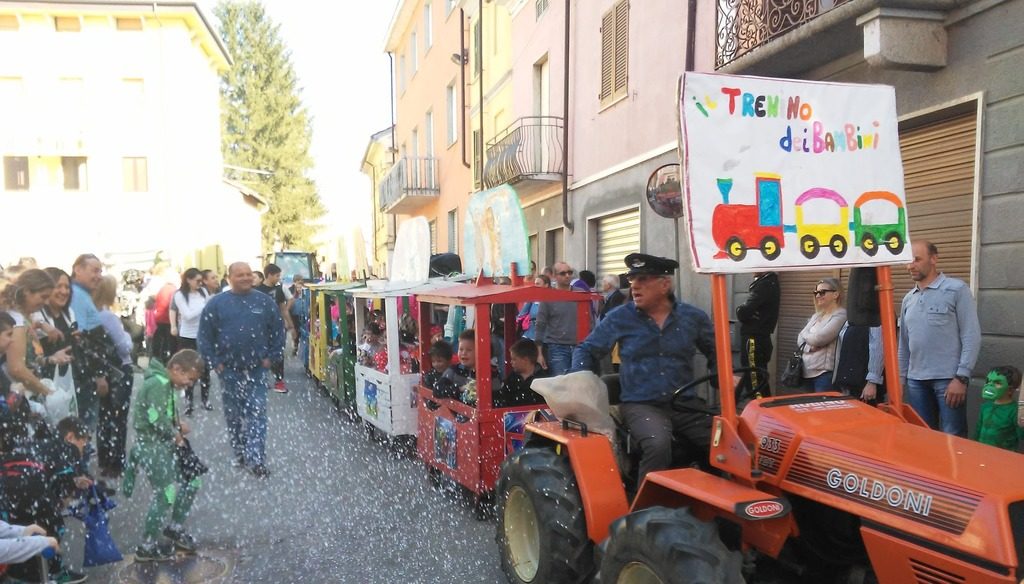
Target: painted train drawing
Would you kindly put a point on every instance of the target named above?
(737, 228)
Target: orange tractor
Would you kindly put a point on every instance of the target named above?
(822, 486)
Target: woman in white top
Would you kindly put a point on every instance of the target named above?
(186, 311)
(818, 338)
(21, 298)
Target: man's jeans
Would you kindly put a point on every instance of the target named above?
(245, 410)
(559, 358)
(928, 398)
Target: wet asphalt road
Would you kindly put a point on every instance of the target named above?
(337, 508)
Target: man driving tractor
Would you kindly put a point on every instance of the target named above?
(657, 337)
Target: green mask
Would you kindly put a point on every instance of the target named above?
(995, 386)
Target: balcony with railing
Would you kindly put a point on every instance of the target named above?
(529, 153)
(790, 37)
(411, 184)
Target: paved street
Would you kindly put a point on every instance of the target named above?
(337, 509)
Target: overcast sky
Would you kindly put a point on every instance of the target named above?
(338, 52)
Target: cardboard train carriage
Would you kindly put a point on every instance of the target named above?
(332, 341)
(386, 380)
(468, 441)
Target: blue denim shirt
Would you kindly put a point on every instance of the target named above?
(654, 362)
(940, 336)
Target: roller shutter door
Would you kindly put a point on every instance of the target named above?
(938, 168)
(617, 236)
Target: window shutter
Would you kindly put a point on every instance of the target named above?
(621, 48)
(607, 56)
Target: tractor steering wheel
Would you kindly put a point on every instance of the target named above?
(682, 393)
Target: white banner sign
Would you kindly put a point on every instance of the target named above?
(791, 174)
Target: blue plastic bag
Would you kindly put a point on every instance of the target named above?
(100, 548)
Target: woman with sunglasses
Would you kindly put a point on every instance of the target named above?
(818, 338)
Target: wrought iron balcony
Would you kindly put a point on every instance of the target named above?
(411, 184)
(529, 152)
(744, 25)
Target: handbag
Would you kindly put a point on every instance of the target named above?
(793, 375)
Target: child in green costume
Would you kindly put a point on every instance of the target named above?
(157, 432)
(997, 421)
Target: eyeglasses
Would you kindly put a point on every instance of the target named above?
(566, 272)
(822, 292)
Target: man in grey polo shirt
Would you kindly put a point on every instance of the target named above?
(939, 342)
(556, 326)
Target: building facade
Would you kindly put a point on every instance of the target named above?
(956, 70)
(112, 132)
(432, 173)
(378, 160)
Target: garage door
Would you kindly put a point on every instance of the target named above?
(618, 235)
(938, 168)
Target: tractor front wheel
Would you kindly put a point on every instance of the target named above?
(542, 530)
(659, 545)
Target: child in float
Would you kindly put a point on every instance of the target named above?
(998, 423)
(440, 360)
(516, 389)
(463, 374)
(158, 432)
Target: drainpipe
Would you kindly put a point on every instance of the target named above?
(566, 222)
(691, 34)
(462, 84)
(391, 68)
(480, 15)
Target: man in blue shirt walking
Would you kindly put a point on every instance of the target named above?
(658, 337)
(240, 335)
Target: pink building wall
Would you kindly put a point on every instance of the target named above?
(645, 119)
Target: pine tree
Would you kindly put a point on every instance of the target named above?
(264, 125)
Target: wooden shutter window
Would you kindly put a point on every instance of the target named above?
(621, 48)
(607, 56)
(614, 53)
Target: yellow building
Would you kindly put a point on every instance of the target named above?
(111, 141)
(378, 160)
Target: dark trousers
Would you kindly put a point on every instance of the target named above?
(278, 370)
(204, 379)
(653, 424)
(112, 431)
(163, 343)
(755, 352)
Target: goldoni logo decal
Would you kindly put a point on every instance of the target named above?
(877, 484)
(764, 509)
(875, 490)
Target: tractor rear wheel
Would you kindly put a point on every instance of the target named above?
(659, 545)
(542, 530)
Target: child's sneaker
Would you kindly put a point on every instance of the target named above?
(181, 540)
(154, 552)
(279, 386)
(70, 577)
